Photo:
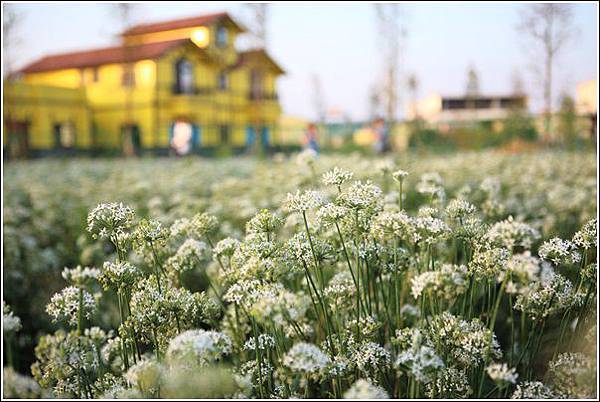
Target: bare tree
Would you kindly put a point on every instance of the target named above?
(472, 85)
(518, 87)
(258, 24)
(16, 144)
(320, 109)
(318, 98)
(125, 12)
(413, 92)
(548, 26)
(391, 36)
(11, 40)
(374, 102)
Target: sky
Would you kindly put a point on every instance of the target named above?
(339, 43)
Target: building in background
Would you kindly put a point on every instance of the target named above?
(586, 105)
(178, 86)
(445, 113)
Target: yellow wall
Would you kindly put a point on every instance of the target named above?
(43, 107)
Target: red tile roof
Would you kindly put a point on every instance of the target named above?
(177, 24)
(97, 57)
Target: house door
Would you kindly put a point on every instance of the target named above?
(17, 139)
(132, 143)
(264, 137)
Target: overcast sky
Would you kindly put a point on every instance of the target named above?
(339, 43)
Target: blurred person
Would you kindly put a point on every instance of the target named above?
(382, 136)
(311, 138)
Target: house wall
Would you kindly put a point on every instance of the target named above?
(97, 100)
(42, 107)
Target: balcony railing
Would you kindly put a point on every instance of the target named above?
(258, 96)
(178, 90)
(197, 90)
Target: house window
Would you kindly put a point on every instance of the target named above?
(95, 74)
(128, 77)
(256, 84)
(221, 39)
(64, 134)
(184, 77)
(223, 81)
(224, 134)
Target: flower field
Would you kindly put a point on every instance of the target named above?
(339, 276)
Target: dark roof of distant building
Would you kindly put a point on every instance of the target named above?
(97, 57)
(483, 96)
(179, 24)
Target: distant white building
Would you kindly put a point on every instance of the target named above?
(456, 111)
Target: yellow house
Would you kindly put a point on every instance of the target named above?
(176, 86)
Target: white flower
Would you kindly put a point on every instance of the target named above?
(331, 213)
(559, 251)
(459, 209)
(501, 373)
(306, 358)
(109, 219)
(66, 305)
(422, 362)
(533, 390)
(510, 233)
(370, 356)
(119, 276)
(446, 283)
(80, 275)
(265, 341)
(188, 255)
(10, 322)
(336, 177)
(361, 196)
(226, 247)
(365, 389)
(199, 346)
(303, 201)
(550, 295)
(399, 175)
(586, 238)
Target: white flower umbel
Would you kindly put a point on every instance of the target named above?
(198, 346)
(422, 362)
(10, 322)
(587, 237)
(65, 305)
(501, 373)
(109, 219)
(365, 389)
(559, 251)
(303, 201)
(533, 390)
(80, 276)
(336, 177)
(306, 358)
(226, 247)
(459, 209)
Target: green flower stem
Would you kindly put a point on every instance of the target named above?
(80, 313)
(320, 274)
(258, 357)
(359, 303)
